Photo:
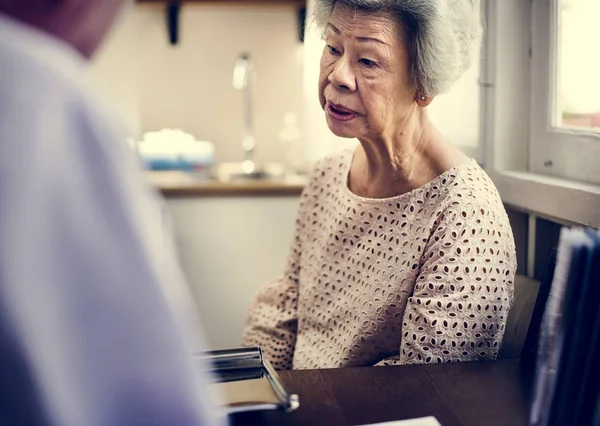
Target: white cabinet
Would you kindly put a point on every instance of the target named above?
(229, 246)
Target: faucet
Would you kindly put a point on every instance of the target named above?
(243, 79)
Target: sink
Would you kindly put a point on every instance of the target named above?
(235, 172)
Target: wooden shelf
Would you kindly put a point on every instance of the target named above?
(173, 10)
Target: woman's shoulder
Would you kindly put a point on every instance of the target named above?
(468, 183)
(465, 196)
(473, 215)
(472, 200)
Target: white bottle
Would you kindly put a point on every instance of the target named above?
(291, 136)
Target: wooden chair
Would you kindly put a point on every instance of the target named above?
(525, 317)
(530, 346)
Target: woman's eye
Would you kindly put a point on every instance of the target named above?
(333, 50)
(368, 63)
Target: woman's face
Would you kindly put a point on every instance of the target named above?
(365, 86)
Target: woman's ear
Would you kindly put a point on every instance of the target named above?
(422, 99)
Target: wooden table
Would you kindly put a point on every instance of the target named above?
(467, 394)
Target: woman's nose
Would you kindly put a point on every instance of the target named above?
(342, 76)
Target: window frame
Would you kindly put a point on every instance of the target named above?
(511, 154)
(563, 152)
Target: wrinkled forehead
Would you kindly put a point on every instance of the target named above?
(356, 22)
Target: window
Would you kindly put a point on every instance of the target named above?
(577, 85)
(540, 162)
(565, 89)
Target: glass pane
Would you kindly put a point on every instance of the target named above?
(578, 65)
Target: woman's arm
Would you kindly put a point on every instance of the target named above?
(464, 289)
(272, 321)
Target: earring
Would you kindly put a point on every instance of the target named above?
(423, 97)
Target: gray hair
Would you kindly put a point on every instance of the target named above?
(441, 35)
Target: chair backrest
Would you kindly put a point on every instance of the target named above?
(517, 323)
(529, 353)
(525, 317)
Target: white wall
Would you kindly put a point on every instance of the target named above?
(508, 32)
(456, 113)
(114, 70)
(153, 85)
(189, 85)
(229, 247)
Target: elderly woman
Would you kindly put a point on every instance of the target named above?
(403, 252)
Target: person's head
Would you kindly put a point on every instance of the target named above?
(81, 23)
(386, 59)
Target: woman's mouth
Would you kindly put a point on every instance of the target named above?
(340, 113)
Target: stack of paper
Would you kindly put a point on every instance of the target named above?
(567, 385)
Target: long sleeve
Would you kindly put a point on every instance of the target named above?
(87, 337)
(272, 322)
(463, 291)
(273, 318)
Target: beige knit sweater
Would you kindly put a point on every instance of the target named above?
(423, 277)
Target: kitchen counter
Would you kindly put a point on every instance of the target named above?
(181, 184)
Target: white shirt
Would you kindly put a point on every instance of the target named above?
(87, 337)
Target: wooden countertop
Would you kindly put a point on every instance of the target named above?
(180, 184)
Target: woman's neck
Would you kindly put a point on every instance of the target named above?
(408, 159)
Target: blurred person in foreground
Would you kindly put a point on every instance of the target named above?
(90, 289)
